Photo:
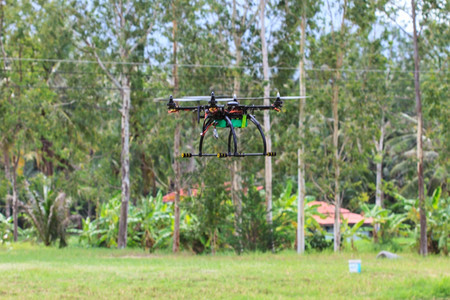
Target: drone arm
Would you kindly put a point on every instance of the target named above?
(276, 106)
(173, 107)
(185, 108)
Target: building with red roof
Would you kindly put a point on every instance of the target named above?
(170, 197)
(328, 211)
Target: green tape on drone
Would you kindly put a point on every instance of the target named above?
(244, 121)
(237, 123)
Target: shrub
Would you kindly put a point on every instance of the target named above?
(5, 229)
(205, 222)
(149, 224)
(47, 210)
(438, 220)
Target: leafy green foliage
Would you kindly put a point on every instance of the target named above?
(256, 233)
(209, 215)
(390, 225)
(285, 215)
(318, 241)
(47, 210)
(6, 229)
(152, 223)
(438, 220)
(350, 232)
(149, 225)
(60, 114)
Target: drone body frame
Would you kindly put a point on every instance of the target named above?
(232, 115)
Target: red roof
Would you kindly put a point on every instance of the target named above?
(170, 197)
(328, 210)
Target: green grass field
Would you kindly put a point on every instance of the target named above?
(30, 271)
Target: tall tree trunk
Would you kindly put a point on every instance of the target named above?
(15, 201)
(301, 148)
(125, 161)
(337, 157)
(379, 165)
(123, 26)
(148, 176)
(47, 157)
(176, 230)
(236, 187)
(125, 85)
(423, 220)
(8, 178)
(379, 146)
(4, 146)
(176, 145)
(268, 159)
(337, 192)
(236, 178)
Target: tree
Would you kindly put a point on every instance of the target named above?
(423, 220)
(297, 18)
(18, 105)
(336, 147)
(177, 136)
(240, 23)
(332, 51)
(266, 84)
(434, 10)
(127, 27)
(301, 149)
(6, 87)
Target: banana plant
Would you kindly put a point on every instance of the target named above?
(89, 233)
(350, 232)
(390, 224)
(149, 224)
(285, 214)
(438, 219)
(154, 219)
(103, 231)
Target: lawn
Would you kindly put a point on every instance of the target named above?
(31, 271)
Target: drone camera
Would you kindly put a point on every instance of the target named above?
(220, 155)
(186, 155)
(271, 154)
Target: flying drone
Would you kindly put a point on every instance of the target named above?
(233, 115)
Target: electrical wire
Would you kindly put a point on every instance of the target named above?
(256, 66)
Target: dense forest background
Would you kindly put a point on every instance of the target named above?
(67, 68)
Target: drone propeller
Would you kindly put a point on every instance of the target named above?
(281, 98)
(205, 97)
(195, 98)
(228, 98)
(180, 99)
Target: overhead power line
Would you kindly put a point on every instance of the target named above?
(257, 66)
(312, 78)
